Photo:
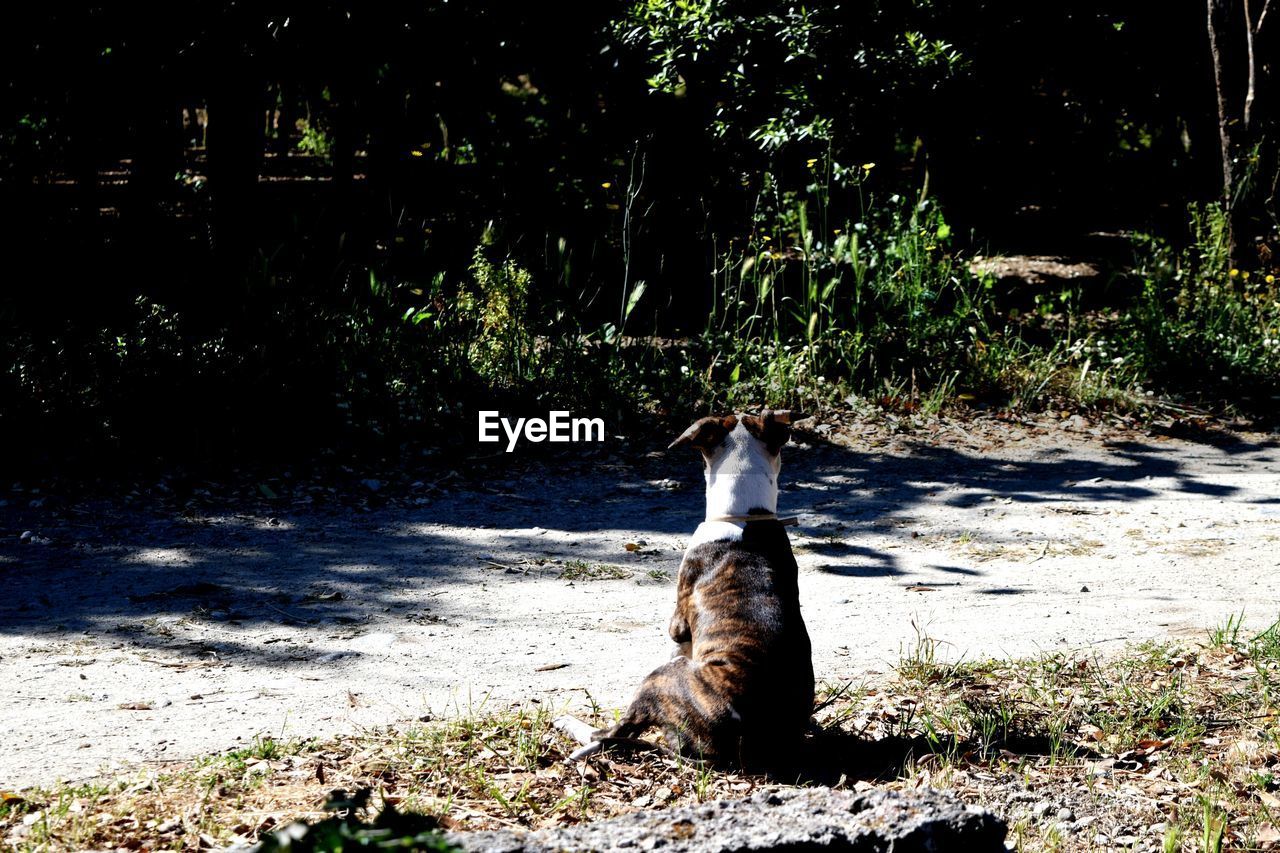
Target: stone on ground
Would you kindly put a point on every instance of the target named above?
(803, 819)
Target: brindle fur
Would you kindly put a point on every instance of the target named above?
(740, 686)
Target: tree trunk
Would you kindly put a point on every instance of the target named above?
(234, 141)
(1242, 70)
(1217, 21)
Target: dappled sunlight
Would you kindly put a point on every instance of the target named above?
(863, 515)
(405, 609)
(164, 557)
(249, 522)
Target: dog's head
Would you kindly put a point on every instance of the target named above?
(738, 446)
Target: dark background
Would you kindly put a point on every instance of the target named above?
(218, 183)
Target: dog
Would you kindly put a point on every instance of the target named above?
(739, 686)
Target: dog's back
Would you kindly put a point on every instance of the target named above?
(741, 602)
(741, 685)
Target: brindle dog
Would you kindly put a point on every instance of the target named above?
(740, 685)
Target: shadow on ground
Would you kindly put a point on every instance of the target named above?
(108, 566)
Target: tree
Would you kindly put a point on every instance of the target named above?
(1243, 67)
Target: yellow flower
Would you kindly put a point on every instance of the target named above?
(766, 238)
(811, 162)
(607, 184)
(1270, 279)
(1234, 272)
(1245, 275)
(837, 232)
(415, 153)
(867, 167)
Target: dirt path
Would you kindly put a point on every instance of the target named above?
(145, 635)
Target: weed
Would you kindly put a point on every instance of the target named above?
(1227, 635)
(1203, 326)
(1266, 644)
(1213, 826)
(581, 570)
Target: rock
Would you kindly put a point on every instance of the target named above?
(333, 656)
(1042, 809)
(1065, 814)
(801, 819)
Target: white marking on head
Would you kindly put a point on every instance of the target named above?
(741, 456)
(741, 475)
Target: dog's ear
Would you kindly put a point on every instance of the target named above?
(705, 434)
(776, 427)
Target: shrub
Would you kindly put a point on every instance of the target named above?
(1200, 325)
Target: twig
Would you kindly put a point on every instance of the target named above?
(285, 613)
(833, 697)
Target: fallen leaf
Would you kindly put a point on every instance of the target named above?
(550, 666)
(1267, 834)
(1150, 746)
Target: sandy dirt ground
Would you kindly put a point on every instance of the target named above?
(144, 629)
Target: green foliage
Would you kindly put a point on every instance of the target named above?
(390, 830)
(780, 73)
(341, 294)
(820, 311)
(313, 139)
(497, 307)
(1201, 325)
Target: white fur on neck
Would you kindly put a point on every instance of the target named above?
(741, 476)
